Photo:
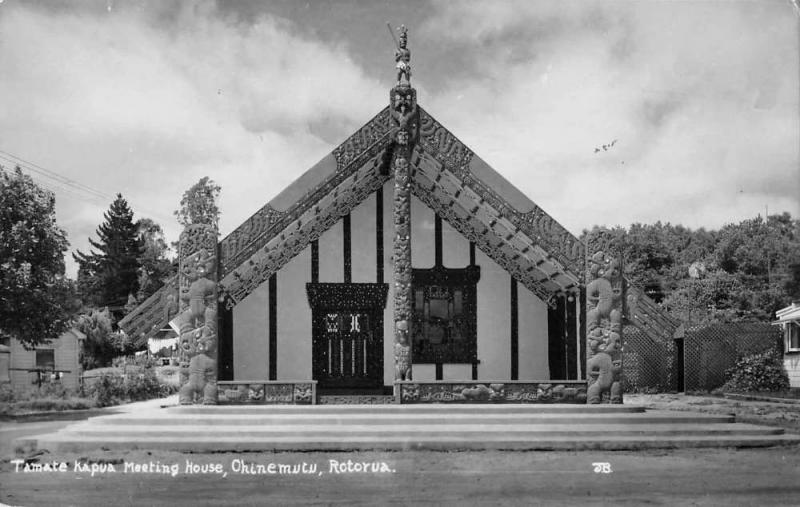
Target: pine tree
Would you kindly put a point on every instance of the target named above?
(108, 276)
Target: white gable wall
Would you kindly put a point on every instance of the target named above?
(294, 344)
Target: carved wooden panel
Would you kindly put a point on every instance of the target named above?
(444, 303)
(538, 225)
(267, 222)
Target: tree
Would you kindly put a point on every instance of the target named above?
(36, 300)
(154, 265)
(199, 204)
(98, 347)
(107, 277)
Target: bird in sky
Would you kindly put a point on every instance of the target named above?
(605, 147)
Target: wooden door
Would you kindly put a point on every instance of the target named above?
(347, 350)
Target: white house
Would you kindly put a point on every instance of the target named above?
(789, 320)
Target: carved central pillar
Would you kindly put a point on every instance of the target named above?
(404, 118)
(196, 322)
(604, 309)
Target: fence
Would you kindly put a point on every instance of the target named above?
(648, 363)
(652, 364)
(710, 351)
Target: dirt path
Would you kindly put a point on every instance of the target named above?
(784, 415)
(698, 477)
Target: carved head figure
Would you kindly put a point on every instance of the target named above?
(402, 332)
(602, 265)
(402, 137)
(403, 36)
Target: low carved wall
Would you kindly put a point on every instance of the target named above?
(508, 391)
(267, 392)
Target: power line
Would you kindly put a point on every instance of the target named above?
(73, 188)
(52, 174)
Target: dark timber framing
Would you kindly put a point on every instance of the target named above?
(379, 235)
(348, 260)
(556, 345)
(472, 255)
(273, 327)
(225, 343)
(514, 330)
(315, 261)
(572, 337)
(437, 228)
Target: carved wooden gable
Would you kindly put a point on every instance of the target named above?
(514, 232)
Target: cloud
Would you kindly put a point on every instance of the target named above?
(701, 97)
(146, 98)
(145, 102)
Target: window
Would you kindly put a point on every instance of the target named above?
(45, 358)
(793, 336)
(444, 324)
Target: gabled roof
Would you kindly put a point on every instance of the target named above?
(152, 314)
(651, 319)
(447, 176)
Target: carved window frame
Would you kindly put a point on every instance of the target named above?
(445, 283)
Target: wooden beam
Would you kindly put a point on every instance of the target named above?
(273, 327)
(514, 330)
(347, 249)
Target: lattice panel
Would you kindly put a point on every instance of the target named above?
(648, 364)
(710, 351)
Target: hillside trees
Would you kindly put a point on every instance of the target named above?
(36, 300)
(742, 272)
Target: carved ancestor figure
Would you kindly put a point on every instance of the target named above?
(402, 352)
(197, 321)
(603, 327)
(201, 372)
(402, 57)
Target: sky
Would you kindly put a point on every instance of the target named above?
(700, 98)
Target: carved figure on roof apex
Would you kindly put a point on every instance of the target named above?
(402, 57)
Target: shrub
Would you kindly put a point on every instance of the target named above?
(42, 404)
(111, 389)
(6, 393)
(107, 390)
(757, 372)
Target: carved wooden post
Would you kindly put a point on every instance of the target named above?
(404, 118)
(196, 321)
(604, 310)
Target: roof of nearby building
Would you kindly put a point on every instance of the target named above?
(791, 312)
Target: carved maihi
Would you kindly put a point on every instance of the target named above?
(604, 305)
(196, 321)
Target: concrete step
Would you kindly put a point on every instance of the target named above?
(439, 443)
(434, 408)
(398, 427)
(308, 431)
(379, 418)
